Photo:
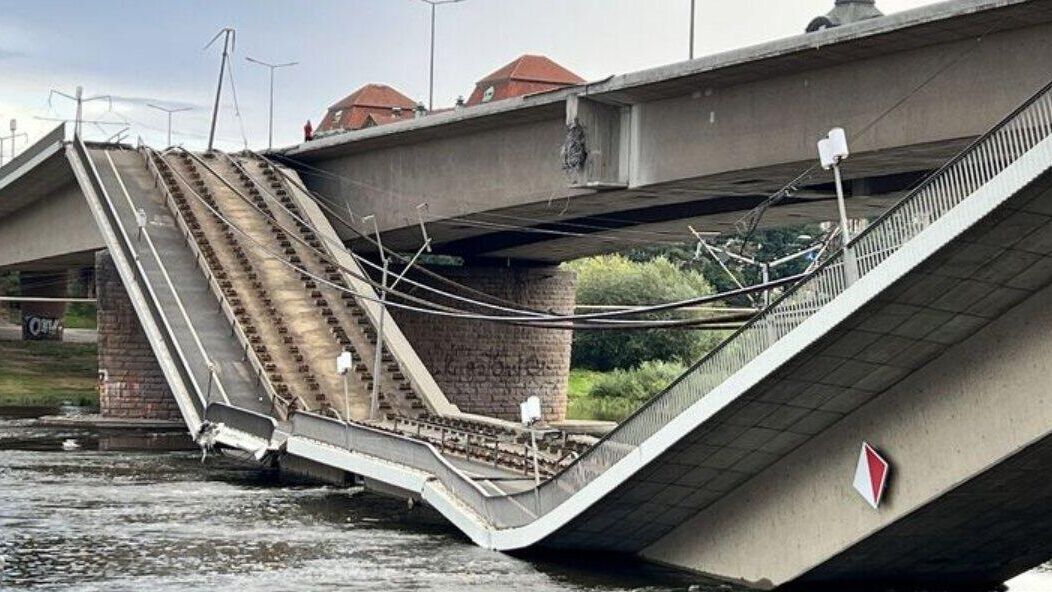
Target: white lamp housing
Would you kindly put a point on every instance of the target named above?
(530, 410)
(833, 148)
(344, 362)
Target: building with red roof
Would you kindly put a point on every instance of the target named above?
(526, 75)
(370, 105)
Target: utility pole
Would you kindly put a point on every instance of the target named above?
(374, 403)
(169, 112)
(78, 96)
(691, 53)
(229, 39)
(431, 81)
(270, 135)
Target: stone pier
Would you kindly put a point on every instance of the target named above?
(489, 368)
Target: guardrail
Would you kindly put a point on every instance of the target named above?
(213, 283)
(985, 158)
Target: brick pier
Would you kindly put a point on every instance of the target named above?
(131, 383)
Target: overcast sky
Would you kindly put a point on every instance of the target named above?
(151, 52)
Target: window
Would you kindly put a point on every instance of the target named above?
(488, 95)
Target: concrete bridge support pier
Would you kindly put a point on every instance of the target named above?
(131, 383)
(489, 368)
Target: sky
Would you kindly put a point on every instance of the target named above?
(139, 52)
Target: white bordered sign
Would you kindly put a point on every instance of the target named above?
(871, 475)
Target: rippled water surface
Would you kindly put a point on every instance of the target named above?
(84, 510)
(94, 515)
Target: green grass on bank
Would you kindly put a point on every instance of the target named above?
(583, 406)
(614, 395)
(80, 315)
(48, 373)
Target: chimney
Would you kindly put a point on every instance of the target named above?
(845, 12)
(419, 111)
(460, 103)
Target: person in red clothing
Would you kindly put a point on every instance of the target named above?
(308, 132)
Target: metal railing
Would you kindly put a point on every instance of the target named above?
(984, 159)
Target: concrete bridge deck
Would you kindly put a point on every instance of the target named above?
(700, 142)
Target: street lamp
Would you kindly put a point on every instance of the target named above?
(431, 81)
(270, 136)
(831, 151)
(169, 112)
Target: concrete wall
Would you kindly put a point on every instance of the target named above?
(131, 382)
(963, 414)
(454, 175)
(53, 227)
(779, 119)
(489, 368)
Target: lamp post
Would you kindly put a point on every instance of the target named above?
(169, 112)
(272, 67)
(831, 151)
(431, 81)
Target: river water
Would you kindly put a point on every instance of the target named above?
(87, 510)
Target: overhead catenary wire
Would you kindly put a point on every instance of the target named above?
(330, 210)
(339, 246)
(751, 221)
(441, 310)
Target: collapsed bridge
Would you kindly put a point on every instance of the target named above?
(934, 355)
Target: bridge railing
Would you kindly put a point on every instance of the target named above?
(984, 159)
(939, 193)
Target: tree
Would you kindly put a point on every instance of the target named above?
(616, 280)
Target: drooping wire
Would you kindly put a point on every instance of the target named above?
(441, 310)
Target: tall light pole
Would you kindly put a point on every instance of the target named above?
(270, 137)
(169, 112)
(691, 53)
(431, 82)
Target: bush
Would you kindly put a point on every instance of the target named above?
(639, 384)
(616, 280)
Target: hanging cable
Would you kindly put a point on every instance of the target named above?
(339, 246)
(445, 311)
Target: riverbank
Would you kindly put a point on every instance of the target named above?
(48, 373)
